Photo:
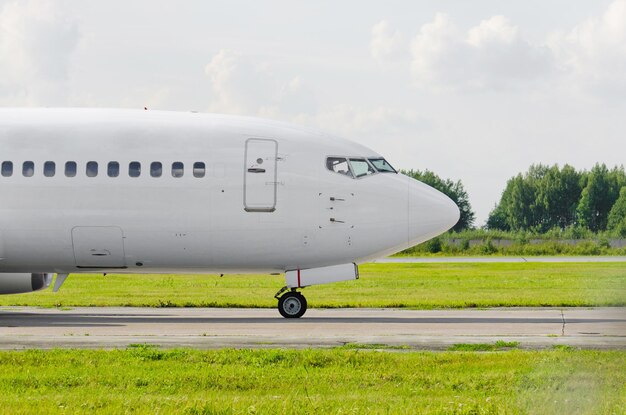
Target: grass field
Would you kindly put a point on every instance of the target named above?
(380, 285)
(148, 380)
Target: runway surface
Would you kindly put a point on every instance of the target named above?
(501, 259)
(25, 327)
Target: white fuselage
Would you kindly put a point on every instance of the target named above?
(266, 201)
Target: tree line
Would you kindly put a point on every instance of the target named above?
(549, 197)
(546, 198)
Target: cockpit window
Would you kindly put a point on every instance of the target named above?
(382, 165)
(361, 167)
(338, 165)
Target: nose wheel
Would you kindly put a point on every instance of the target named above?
(292, 305)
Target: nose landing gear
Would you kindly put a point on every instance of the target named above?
(292, 304)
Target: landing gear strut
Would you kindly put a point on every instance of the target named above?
(292, 304)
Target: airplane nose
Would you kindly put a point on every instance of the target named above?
(431, 212)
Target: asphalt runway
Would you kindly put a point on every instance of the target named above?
(501, 259)
(204, 328)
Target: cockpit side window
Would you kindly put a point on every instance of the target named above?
(361, 167)
(339, 165)
(382, 165)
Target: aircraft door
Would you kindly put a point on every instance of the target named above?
(98, 247)
(260, 175)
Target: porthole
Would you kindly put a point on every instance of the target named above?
(178, 169)
(92, 169)
(70, 169)
(7, 169)
(113, 169)
(199, 169)
(134, 169)
(49, 169)
(156, 169)
(28, 169)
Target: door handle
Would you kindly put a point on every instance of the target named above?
(256, 170)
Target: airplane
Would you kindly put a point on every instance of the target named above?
(131, 191)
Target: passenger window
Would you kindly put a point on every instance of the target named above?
(178, 169)
(156, 169)
(49, 169)
(134, 169)
(199, 169)
(7, 169)
(28, 169)
(70, 169)
(92, 169)
(113, 169)
(338, 165)
(361, 168)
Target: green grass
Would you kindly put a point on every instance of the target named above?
(373, 346)
(148, 380)
(422, 286)
(484, 347)
(563, 347)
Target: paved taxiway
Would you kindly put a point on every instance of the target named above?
(25, 327)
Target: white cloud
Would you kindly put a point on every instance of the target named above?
(493, 54)
(496, 30)
(357, 121)
(437, 53)
(385, 44)
(36, 43)
(593, 53)
(241, 85)
(238, 86)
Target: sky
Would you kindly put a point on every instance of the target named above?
(474, 91)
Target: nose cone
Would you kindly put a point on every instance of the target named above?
(431, 212)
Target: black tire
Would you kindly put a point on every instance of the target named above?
(292, 305)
